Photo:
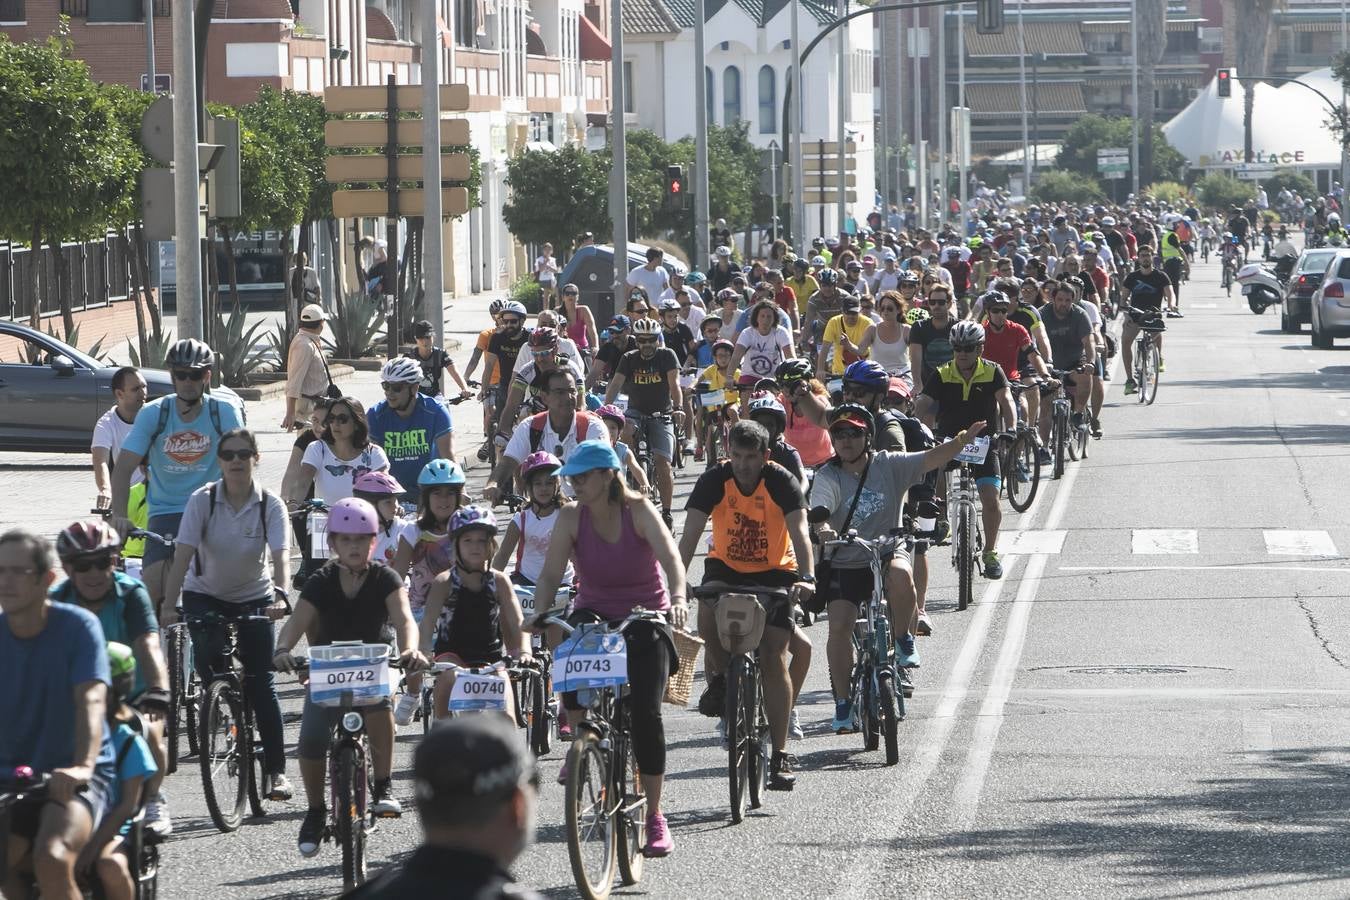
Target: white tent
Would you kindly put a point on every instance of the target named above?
(1288, 127)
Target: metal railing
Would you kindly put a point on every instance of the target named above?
(116, 11)
(99, 272)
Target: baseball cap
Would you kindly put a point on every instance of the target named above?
(589, 456)
(850, 303)
(620, 322)
(312, 313)
(855, 421)
(470, 758)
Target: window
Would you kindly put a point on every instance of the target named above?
(768, 101)
(1211, 40)
(708, 91)
(731, 95)
(116, 11)
(13, 11)
(628, 106)
(466, 22)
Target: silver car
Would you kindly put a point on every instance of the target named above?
(1303, 282)
(51, 394)
(1330, 305)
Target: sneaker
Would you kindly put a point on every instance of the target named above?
(483, 452)
(906, 656)
(669, 520)
(1044, 456)
(1131, 387)
(924, 627)
(1162, 365)
(311, 831)
(386, 805)
(406, 709)
(157, 820)
(1096, 424)
(843, 718)
(689, 448)
(993, 569)
(722, 734)
(942, 531)
(781, 777)
(279, 788)
(714, 697)
(1023, 476)
(795, 726)
(1076, 420)
(659, 841)
(562, 773)
(906, 684)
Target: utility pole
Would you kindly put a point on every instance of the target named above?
(1134, 94)
(964, 187)
(618, 173)
(1022, 86)
(887, 85)
(916, 138)
(702, 203)
(432, 216)
(150, 46)
(186, 175)
(841, 132)
(773, 190)
(943, 115)
(798, 127)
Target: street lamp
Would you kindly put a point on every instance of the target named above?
(773, 190)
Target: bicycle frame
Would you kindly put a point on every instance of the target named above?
(963, 503)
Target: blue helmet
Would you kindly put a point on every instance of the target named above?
(867, 374)
(441, 471)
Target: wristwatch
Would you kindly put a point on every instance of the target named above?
(809, 579)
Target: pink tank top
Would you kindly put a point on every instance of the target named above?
(806, 437)
(614, 578)
(576, 330)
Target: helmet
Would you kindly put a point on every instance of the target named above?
(989, 298)
(495, 307)
(916, 315)
(189, 354)
(694, 279)
(121, 660)
(966, 333)
(723, 344)
(380, 484)
(352, 516)
(790, 370)
(646, 326)
(610, 411)
(467, 517)
(726, 294)
(668, 304)
(1331, 218)
(87, 537)
(769, 405)
(818, 261)
(854, 412)
(909, 277)
(868, 374)
(515, 308)
(543, 338)
(440, 471)
(539, 461)
(401, 370)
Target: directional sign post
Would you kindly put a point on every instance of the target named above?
(1113, 162)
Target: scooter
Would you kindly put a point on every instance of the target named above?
(1263, 284)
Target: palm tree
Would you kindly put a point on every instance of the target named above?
(1253, 42)
(1151, 20)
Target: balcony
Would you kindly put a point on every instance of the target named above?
(481, 71)
(107, 11)
(543, 84)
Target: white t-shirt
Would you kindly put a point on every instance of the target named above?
(1093, 313)
(886, 281)
(518, 447)
(566, 347)
(535, 536)
(695, 320)
(763, 352)
(333, 477)
(653, 281)
(386, 543)
(109, 433)
(545, 267)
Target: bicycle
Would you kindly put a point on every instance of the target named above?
(1018, 460)
(645, 457)
(1076, 434)
(1229, 271)
(712, 405)
(538, 703)
(606, 805)
(963, 504)
(1147, 357)
(742, 614)
(1061, 412)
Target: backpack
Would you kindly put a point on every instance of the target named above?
(211, 511)
(211, 409)
(539, 420)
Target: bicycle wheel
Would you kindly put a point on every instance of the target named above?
(1083, 436)
(253, 752)
(224, 766)
(1059, 437)
(428, 709)
(867, 709)
(192, 700)
(590, 818)
(1148, 385)
(541, 721)
(349, 814)
(175, 658)
(739, 711)
(965, 564)
(889, 717)
(1024, 463)
(630, 820)
(760, 749)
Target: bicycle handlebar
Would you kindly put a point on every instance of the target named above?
(555, 617)
(166, 540)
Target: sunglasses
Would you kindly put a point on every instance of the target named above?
(102, 563)
(974, 349)
(231, 455)
(392, 387)
(646, 340)
(998, 310)
(541, 352)
(509, 322)
(189, 374)
(848, 433)
(340, 419)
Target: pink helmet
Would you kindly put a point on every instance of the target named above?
(537, 461)
(610, 411)
(380, 483)
(352, 516)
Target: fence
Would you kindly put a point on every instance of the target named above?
(99, 273)
(113, 10)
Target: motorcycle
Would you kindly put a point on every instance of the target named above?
(1264, 284)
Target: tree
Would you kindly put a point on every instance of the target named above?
(1221, 191)
(1082, 140)
(1253, 39)
(1291, 180)
(1152, 43)
(556, 194)
(1055, 187)
(62, 155)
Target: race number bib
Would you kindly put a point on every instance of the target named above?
(712, 399)
(621, 401)
(318, 534)
(478, 692)
(592, 661)
(342, 682)
(975, 451)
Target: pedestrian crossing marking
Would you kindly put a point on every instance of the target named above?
(1029, 542)
(1165, 540)
(1299, 543)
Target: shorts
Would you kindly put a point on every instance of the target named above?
(26, 818)
(317, 724)
(660, 433)
(854, 585)
(779, 614)
(166, 523)
(986, 472)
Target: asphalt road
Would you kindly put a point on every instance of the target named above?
(1150, 703)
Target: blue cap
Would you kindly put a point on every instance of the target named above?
(588, 456)
(620, 322)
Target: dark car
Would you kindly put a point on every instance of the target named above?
(1303, 283)
(51, 395)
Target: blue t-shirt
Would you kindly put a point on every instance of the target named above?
(40, 675)
(184, 457)
(137, 763)
(409, 443)
(125, 615)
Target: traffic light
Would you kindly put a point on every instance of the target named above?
(989, 16)
(1225, 85)
(675, 187)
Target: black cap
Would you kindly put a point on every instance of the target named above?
(423, 329)
(851, 303)
(471, 758)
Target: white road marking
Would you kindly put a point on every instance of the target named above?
(1203, 305)
(1029, 542)
(1235, 567)
(1183, 693)
(1165, 540)
(1282, 542)
(1258, 735)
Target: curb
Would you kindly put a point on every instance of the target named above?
(338, 369)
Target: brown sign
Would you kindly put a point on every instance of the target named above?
(454, 167)
(374, 133)
(349, 204)
(375, 98)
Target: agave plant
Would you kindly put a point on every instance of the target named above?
(73, 339)
(355, 321)
(157, 349)
(279, 344)
(236, 355)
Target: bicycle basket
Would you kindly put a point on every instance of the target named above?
(740, 622)
(349, 674)
(681, 687)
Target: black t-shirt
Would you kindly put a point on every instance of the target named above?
(890, 434)
(1066, 336)
(959, 404)
(787, 456)
(681, 340)
(644, 380)
(506, 349)
(611, 353)
(433, 367)
(445, 874)
(361, 618)
(1147, 289)
(937, 347)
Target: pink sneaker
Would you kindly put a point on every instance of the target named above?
(659, 841)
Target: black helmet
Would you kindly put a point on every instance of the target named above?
(189, 354)
(790, 370)
(855, 412)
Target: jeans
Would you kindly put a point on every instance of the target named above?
(255, 643)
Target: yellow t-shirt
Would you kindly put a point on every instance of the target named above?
(802, 290)
(138, 511)
(713, 376)
(836, 328)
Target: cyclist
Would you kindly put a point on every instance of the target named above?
(1150, 291)
(129, 390)
(529, 531)
(1174, 265)
(558, 429)
(580, 322)
(530, 378)
(967, 390)
(759, 539)
(618, 340)
(823, 306)
(930, 343)
(88, 551)
(232, 557)
(677, 336)
(614, 421)
(803, 286)
(503, 348)
(867, 383)
(887, 341)
(607, 523)
(54, 666)
(806, 402)
(1007, 344)
(490, 380)
(413, 429)
(864, 489)
(382, 490)
(344, 452)
(720, 376)
(839, 342)
(473, 617)
(435, 362)
(762, 347)
(351, 598)
(652, 376)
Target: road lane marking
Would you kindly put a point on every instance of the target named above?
(1203, 305)
(1030, 542)
(1164, 540)
(1258, 735)
(1282, 542)
(1184, 693)
(1234, 567)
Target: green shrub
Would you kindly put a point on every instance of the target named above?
(1295, 182)
(1170, 191)
(356, 320)
(526, 290)
(1052, 187)
(1221, 191)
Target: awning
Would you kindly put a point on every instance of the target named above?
(1050, 38)
(1049, 97)
(594, 45)
(1311, 27)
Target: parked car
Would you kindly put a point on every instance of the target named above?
(1303, 282)
(1330, 305)
(51, 394)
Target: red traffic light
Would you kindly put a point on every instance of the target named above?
(675, 186)
(1224, 82)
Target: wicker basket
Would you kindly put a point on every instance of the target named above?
(681, 686)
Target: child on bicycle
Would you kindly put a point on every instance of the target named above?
(719, 376)
(472, 615)
(382, 491)
(350, 598)
(530, 530)
(613, 418)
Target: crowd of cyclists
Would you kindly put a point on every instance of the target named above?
(805, 395)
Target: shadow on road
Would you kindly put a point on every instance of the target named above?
(1305, 434)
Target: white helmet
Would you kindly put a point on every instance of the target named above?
(644, 326)
(515, 307)
(1334, 218)
(401, 370)
(966, 332)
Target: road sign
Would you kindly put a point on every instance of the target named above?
(828, 164)
(828, 180)
(1113, 162)
(375, 98)
(163, 83)
(827, 148)
(1253, 171)
(827, 196)
(349, 204)
(374, 133)
(157, 130)
(454, 167)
